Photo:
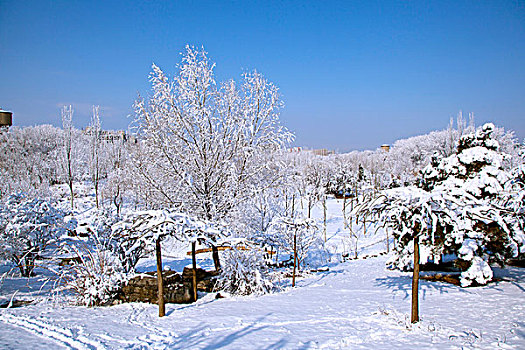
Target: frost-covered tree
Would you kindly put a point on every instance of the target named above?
(514, 197)
(119, 174)
(295, 236)
(459, 211)
(68, 160)
(28, 160)
(462, 210)
(313, 175)
(95, 161)
(141, 230)
(27, 228)
(204, 144)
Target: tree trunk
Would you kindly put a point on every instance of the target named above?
(294, 258)
(160, 281)
(293, 205)
(324, 216)
(215, 256)
(387, 241)
(415, 283)
(345, 224)
(356, 241)
(70, 184)
(96, 194)
(194, 262)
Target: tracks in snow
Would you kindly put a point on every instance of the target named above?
(63, 336)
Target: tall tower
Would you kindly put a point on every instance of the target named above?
(6, 118)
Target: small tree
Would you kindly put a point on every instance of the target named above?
(145, 229)
(412, 213)
(296, 236)
(119, 172)
(27, 228)
(95, 152)
(458, 212)
(68, 156)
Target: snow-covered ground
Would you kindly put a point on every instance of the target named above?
(357, 304)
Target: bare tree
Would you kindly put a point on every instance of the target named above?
(68, 151)
(95, 149)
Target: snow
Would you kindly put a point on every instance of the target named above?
(479, 272)
(356, 304)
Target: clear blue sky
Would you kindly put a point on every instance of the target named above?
(353, 75)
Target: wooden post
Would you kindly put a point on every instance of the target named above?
(160, 281)
(215, 256)
(194, 262)
(415, 283)
(294, 256)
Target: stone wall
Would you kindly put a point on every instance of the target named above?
(178, 288)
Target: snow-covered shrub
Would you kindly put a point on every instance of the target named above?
(27, 228)
(479, 272)
(244, 272)
(91, 268)
(96, 279)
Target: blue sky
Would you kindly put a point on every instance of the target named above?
(353, 75)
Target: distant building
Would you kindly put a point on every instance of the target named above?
(112, 135)
(385, 148)
(321, 152)
(317, 152)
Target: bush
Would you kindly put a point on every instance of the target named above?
(94, 281)
(97, 273)
(244, 272)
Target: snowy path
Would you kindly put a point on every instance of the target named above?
(355, 305)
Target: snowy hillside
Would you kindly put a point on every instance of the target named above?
(356, 304)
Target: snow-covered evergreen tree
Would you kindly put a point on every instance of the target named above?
(458, 211)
